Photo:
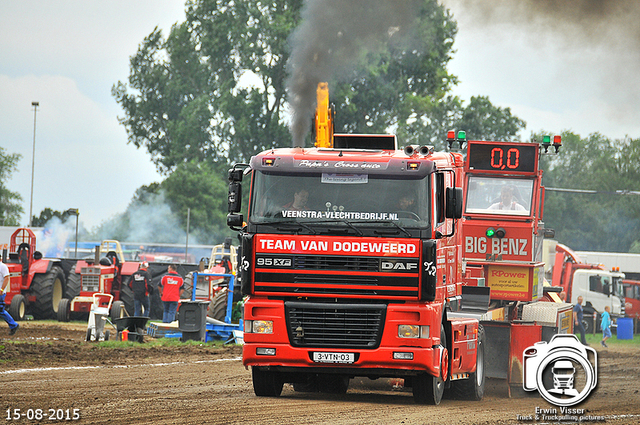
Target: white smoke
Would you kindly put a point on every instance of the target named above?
(52, 240)
(148, 221)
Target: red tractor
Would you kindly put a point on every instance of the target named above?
(108, 273)
(36, 284)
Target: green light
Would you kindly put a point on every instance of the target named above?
(490, 232)
(546, 140)
(462, 135)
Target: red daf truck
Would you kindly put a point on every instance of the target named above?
(358, 278)
(351, 254)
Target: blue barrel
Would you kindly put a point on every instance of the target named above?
(625, 328)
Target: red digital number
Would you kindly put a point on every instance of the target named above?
(497, 158)
(513, 161)
(496, 164)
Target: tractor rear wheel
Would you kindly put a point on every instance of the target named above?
(156, 305)
(126, 295)
(48, 289)
(18, 307)
(64, 310)
(74, 285)
(218, 307)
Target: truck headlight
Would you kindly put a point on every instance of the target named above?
(258, 326)
(413, 331)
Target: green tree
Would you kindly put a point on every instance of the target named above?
(483, 121)
(183, 101)
(10, 202)
(607, 220)
(46, 215)
(199, 189)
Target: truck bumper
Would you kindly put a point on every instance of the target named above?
(373, 363)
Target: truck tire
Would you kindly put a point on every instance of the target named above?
(74, 285)
(64, 310)
(473, 387)
(48, 289)
(266, 383)
(218, 307)
(126, 295)
(18, 307)
(429, 389)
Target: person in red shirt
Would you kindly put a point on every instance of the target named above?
(169, 288)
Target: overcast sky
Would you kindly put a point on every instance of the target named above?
(67, 55)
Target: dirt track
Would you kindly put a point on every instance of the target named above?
(49, 366)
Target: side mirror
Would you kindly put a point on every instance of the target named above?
(453, 208)
(235, 221)
(235, 174)
(235, 197)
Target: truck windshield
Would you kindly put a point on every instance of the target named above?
(498, 195)
(325, 198)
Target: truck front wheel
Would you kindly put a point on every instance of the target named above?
(266, 383)
(429, 389)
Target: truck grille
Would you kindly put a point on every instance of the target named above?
(90, 283)
(321, 325)
(331, 276)
(312, 262)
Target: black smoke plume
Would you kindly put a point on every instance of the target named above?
(331, 40)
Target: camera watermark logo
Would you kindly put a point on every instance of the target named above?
(563, 371)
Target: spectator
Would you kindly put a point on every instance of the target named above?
(605, 325)
(577, 320)
(4, 287)
(170, 287)
(141, 285)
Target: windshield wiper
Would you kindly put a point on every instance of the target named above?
(293, 223)
(402, 229)
(358, 231)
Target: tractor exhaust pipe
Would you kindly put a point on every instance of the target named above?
(4, 255)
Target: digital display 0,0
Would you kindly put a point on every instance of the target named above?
(502, 157)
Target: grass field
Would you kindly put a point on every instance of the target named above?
(595, 340)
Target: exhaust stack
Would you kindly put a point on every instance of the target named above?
(324, 118)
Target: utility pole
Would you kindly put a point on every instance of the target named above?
(33, 159)
(186, 248)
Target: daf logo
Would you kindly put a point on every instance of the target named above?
(398, 266)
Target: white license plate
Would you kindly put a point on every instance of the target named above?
(334, 357)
